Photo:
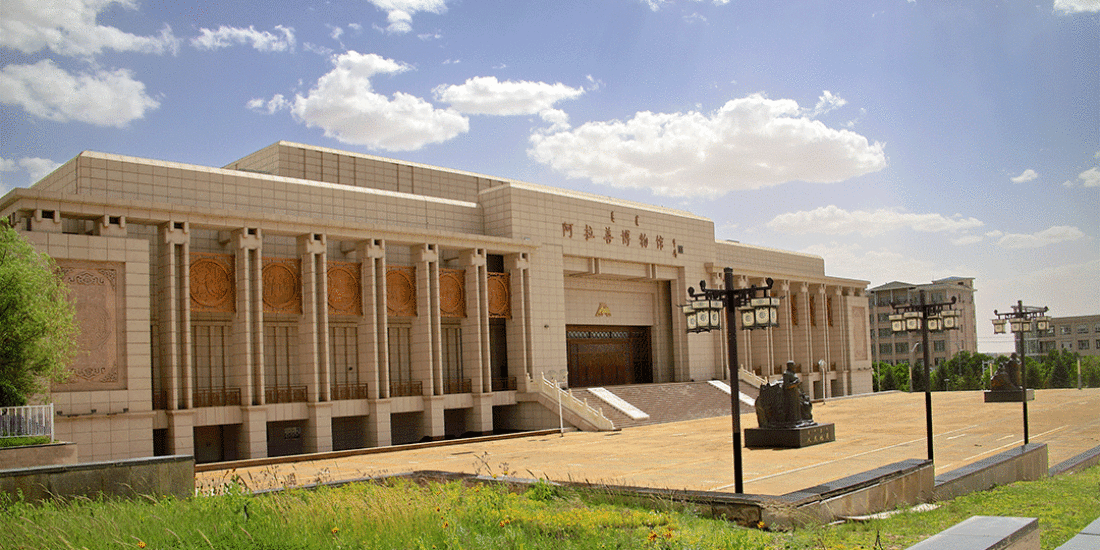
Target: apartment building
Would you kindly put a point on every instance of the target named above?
(904, 347)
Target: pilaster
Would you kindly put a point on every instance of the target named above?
(313, 350)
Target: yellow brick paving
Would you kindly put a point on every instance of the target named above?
(871, 431)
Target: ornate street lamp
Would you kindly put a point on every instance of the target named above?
(925, 317)
(1022, 319)
(703, 314)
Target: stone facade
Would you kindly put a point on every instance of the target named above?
(306, 299)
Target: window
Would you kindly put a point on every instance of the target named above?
(1066, 345)
(399, 347)
(1098, 344)
(1082, 329)
(281, 364)
(884, 332)
(901, 347)
(1064, 329)
(884, 349)
(939, 345)
(1082, 344)
(210, 345)
(343, 345)
(1096, 327)
(454, 380)
(883, 317)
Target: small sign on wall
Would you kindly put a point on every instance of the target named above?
(603, 311)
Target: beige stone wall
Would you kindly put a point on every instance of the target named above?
(106, 406)
(570, 258)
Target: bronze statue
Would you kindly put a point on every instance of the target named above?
(782, 404)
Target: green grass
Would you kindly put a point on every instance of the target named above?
(406, 515)
(23, 441)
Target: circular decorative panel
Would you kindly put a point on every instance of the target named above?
(401, 291)
(499, 297)
(343, 289)
(211, 284)
(282, 289)
(452, 293)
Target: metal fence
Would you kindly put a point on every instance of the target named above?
(32, 420)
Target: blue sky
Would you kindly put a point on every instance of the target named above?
(900, 140)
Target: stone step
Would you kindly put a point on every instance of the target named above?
(673, 402)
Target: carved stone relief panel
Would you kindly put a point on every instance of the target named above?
(98, 295)
(344, 294)
(859, 330)
(212, 282)
(452, 292)
(401, 291)
(500, 296)
(282, 285)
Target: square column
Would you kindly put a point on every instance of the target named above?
(252, 442)
(318, 428)
(475, 326)
(181, 432)
(518, 327)
(432, 422)
(174, 307)
(247, 358)
(313, 359)
(373, 324)
(427, 345)
(379, 433)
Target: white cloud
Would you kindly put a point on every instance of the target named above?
(35, 168)
(279, 41)
(1054, 235)
(68, 27)
(485, 95)
(102, 98)
(1066, 7)
(399, 12)
(1088, 178)
(966, 239)
(831, 220)
(749, 143)
(827, 102)
(38, 168)
(344, 105)
(1025, 176)
(270, 106)
(877, 266)
(656, 4)
(557, 118)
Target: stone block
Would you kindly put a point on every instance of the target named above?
(803, 436)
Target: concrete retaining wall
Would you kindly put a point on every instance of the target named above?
(1024, 463)
(904, 483)
(29, 456)
(162, 475)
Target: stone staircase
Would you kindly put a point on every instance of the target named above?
(672, 402)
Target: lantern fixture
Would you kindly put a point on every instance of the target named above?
(1022, 319)
(704, 314)
(925, 317)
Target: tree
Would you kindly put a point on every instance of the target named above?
(37, 321)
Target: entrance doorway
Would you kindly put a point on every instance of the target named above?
(608, 356)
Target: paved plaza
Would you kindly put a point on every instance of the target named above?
(871, 431)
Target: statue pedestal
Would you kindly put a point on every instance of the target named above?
(802, 436)
(1007, 396)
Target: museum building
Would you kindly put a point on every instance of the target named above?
(304, 299)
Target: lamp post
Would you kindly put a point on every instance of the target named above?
(925, 317)
(704, 314)
(1022, 319)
